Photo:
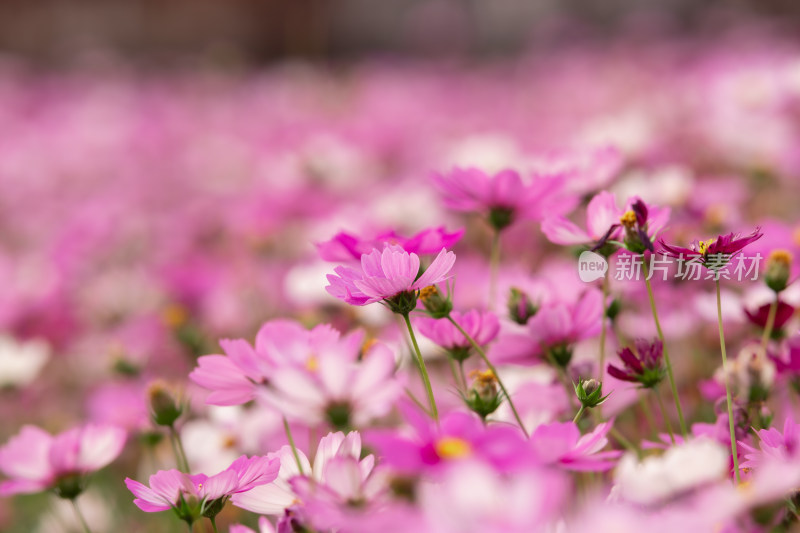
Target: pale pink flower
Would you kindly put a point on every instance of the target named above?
(172, 489)
(603, 222)
(275, 498)
(562, 444)
(235, 378)
(264, 526)
(34, 460)
(342, 386)
(386, 274)
(473, 497)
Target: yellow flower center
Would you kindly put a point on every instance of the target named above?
(453, 448)
(703, 246)
(428, 292)
(174, 315)
(483, 377)
(312, 363)
(628, 219)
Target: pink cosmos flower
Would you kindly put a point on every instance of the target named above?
(773, 444)
(561, 444)
(346, 247)
(483, 326)
(235, 378)
(459, 436)
(603, 222)
(172, 489)
(343, 387)
(504, 198)
(338, 466)
(553, 329)
(386, 274)
(35, 461)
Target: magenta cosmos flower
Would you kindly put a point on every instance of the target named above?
(346, 247)
(390, 275)
(712, 253)
(482, 326)
(773, 444)
(458, 437)
(34, 460)
(193, 496)
(503, 197)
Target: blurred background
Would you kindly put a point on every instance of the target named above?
(166, 167)
(255, 31)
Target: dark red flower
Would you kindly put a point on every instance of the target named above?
(760, 315)
(644, 364)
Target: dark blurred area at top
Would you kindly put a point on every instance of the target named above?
(57, 32)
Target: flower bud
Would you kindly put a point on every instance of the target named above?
(438, 306)
(590, 392)
(520, 307)
(483, 397)
(778, 272)
(165, 409)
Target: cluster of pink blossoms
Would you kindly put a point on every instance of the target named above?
(297, 315)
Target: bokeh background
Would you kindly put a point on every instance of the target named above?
(148, 32)
(167, 165)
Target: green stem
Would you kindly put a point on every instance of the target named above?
(619, 437)
(177, 448)
(296, 454)
(773, 311)
(666, 353)
(80, 516)
(422, 370)
(494, 266)
(480, 351)
(462, 386)
(664, 414)
(579, 414)
(463, 376)
(648, 414)
(417, 402)
(727, 387)
(213, 521)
